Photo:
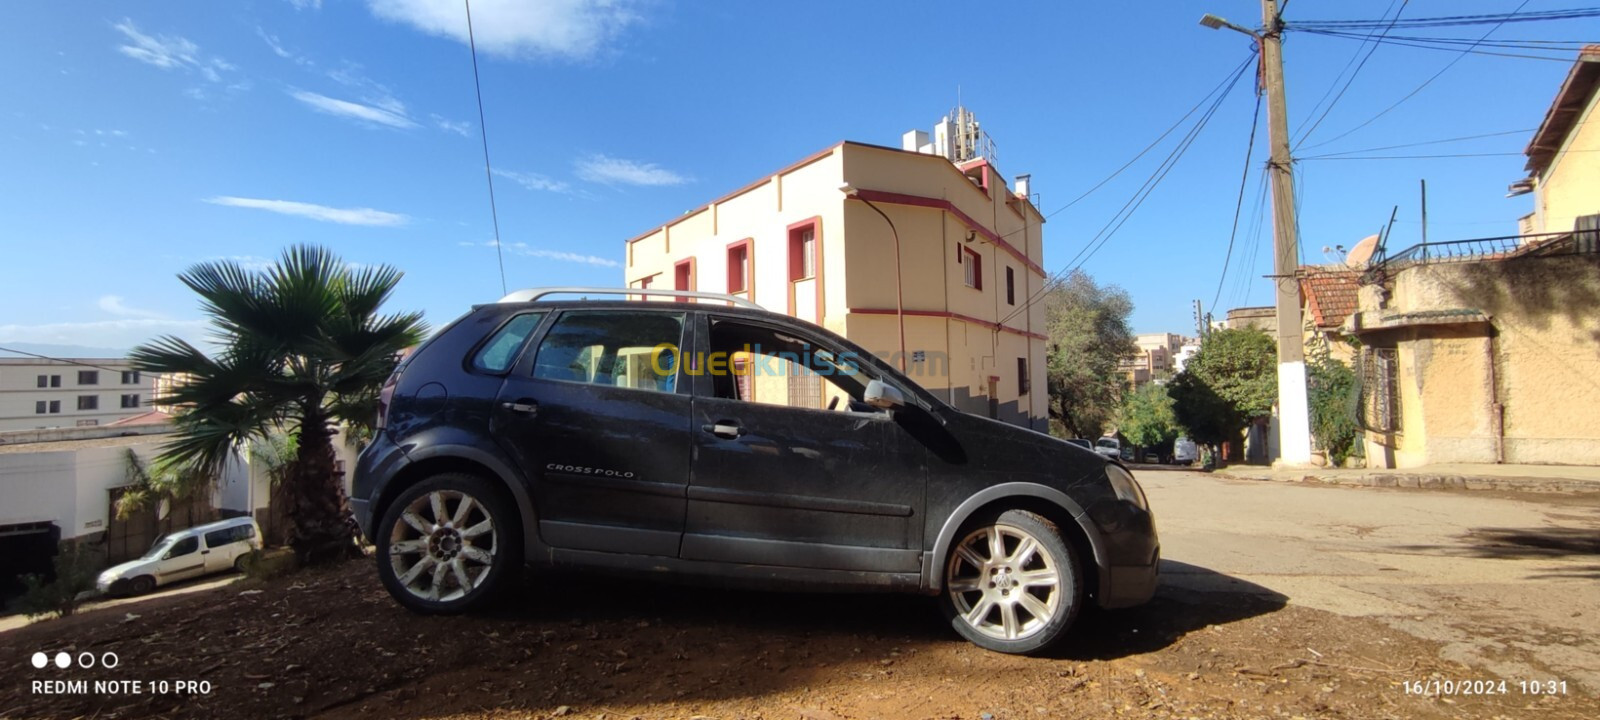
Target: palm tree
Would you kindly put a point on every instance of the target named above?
(300, 346)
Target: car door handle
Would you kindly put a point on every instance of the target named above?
(723, 430)
(528, 407)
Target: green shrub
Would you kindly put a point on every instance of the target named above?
(1332, 395)
(76, 567)
(269, 563)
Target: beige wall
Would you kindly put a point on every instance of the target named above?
(949, 321)
(1570, 187)
(1545, 347)
(20, 394)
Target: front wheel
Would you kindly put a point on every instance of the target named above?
(448, 544)
(1012, 583)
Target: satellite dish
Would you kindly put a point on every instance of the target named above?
(1362, 252)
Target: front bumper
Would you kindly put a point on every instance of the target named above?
(1130, 585)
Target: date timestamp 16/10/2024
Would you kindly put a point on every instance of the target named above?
(1442, 687)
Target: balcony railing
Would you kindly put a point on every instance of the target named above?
(1483, 250)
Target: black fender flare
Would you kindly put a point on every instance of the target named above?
(508, 476)
(933, 578)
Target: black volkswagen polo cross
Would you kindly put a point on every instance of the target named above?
(729, 443)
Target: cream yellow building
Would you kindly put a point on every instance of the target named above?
(955, 255)
(1563, 174)
(1488, 350)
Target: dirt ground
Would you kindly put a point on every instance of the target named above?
(331, 644)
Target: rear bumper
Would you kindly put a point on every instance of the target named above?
(378, 463)
(1130, 585)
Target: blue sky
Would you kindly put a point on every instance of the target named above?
(139, 138)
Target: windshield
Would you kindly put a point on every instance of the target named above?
(158, 549)
(1107, 443)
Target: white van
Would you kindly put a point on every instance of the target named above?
(200, 550)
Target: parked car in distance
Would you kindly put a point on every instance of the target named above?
(1081, 442)
(1109, 447)
(1184, 451)
(681, 440)
(201, 550)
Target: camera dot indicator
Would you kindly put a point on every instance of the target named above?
(63, 660)
(40, 660)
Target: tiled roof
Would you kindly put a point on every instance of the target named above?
(152, 417)
(1330, 294)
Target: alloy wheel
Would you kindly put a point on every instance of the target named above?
(1003, 582)
(443, 545)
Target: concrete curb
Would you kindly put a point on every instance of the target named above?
(1389, 479)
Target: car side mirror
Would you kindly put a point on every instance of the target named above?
(883, 396)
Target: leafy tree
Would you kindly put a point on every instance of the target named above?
(1087, 324)
(149, 483)
(302, 347)
(1231, 382)
(76, 567)
(1208, 419)
(1147, 419)
(1333, 396)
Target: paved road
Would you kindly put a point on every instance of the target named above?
(1508, 582)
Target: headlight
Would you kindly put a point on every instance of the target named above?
(1126, 488)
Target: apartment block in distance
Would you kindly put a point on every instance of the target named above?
(78, 392)
(859, 238)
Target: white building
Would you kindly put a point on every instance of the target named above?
(75, 392)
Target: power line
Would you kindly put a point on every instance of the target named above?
(1370, 50)
(1426, 46)
(62, 360)
(1141, 194)
(1419, 144)
(1426, 157)
(483, 132)
(1418, 88)
(1244, 179)
(1451, 20)
(1141, 153)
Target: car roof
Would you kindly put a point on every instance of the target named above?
(218, 525)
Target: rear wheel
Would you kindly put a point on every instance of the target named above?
(448, 544)
(1012, 583)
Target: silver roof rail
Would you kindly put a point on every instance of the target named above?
(534, 294)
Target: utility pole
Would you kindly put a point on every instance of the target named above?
(1294, 414)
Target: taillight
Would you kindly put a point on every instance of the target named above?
(386, 393)
(384, 396)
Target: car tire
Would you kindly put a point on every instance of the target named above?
(1019, 599)
(238, 562)
(141, 585)
(436, 558)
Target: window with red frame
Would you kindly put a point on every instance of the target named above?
(972, 265)
(683, 277)
(739, 268)
(803, 253)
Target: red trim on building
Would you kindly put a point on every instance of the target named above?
(950, 316)
(749, 288)
(947, 206)
(736, 193)
(791, 237)
(683, 276)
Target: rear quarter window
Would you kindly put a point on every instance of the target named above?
(499, 352)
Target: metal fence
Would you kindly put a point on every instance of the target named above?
(1584, 240)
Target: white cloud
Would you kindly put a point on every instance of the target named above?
(280, 50)
(462, 128)
(343, 216)
(534, 181)
(393, 115)
(120, 332)
(563, 29)
(253, 263)
(526, 250)
(170, 51)
(617, 171)
(306, 4)
(113, 304)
